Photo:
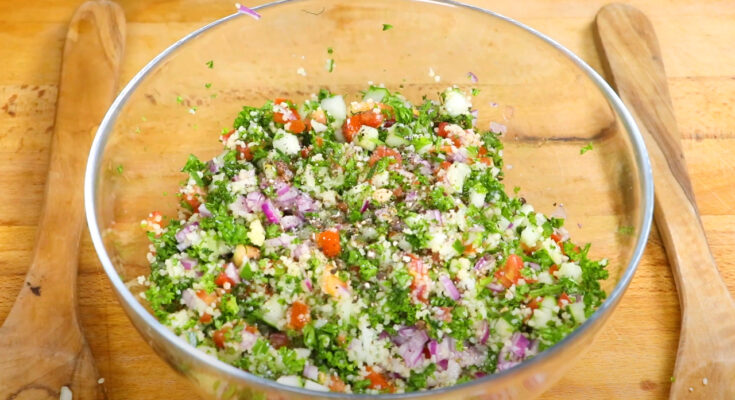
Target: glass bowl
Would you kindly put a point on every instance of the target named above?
(551, 102)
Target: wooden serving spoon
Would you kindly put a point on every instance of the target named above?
(705, 364)
(42, 345)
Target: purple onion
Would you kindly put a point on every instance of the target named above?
(449, 287)
(412, 348)
(510, 226)
(280, 241)
(204, 212)
(519, 345)
(301, 250)
(181, 236)
(432, 346)
(496, 287)
(485, 262)
(383, 335)
(412, 196)
(304, 203)
(248, 340)
(472, 77)
(460, 155)
(254, 201)
(311, 372)
(498, 128)
(283, 189)
(443, 364)
(245, 10)
(534, 266)
(479, 374)
(307, 284)
(436, 215)
(214, 165)
(290, 222)
(188, 263)
(231, 272)
(485, 330)
(190, 298)
(364, 206)
(559, 212)
(474, 114)
(270, 211)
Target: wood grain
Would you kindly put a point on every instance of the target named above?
(706, 350)
(634, 356)
(43, 346)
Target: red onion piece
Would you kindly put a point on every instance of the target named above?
(282, 240)
(485, 330)
(474, 114)
(364, 206)
(559, 212)
(204, 211)
(460, 155)
(232, 273)
(248, 340)
(443, 364)
(245, 10)
(188, 263)
(519, 345)
(412, 196)
(412, 348)
(498, 128)
(534, 266)
(290, 222)
(432, 346)
(472, 77)
(182, 236)
(307, 284)
(449, 287)
(301, 250)
(496, 287)
(270, 211)
(254, 201)
(311, 372)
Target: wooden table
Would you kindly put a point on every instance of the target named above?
(633, 357)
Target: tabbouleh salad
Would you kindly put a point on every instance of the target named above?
(367, 247)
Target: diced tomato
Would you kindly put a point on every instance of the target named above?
(383, 152)
(419, 286)
(207, 298)
(205, 318)
(442, 130)
(299, 315)
(557, 238)
(511, 271)
(227, 135)
(371, 118)
(319, 116)
(328, 242)
(350, 128)
(305, 152)
(336, 384)
(535, 303)
(564, 300)
(456, 141)
(469, 249)
(319, 141)
(485, 160)
(219, 337)
(193, 197)
(244, 153)
(553, 269)
(445, 165)
(153, 222)
(278, 340)
(222, 278)
(296, 126)
(251, 329)
(481, 151)
(378, 381)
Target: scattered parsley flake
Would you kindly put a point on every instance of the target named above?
(179, 99)
(330, 64)
(207, 85)
(626, 230)
(475, 91)
(387, 26)
(120, 169)
(210, 64)
(330, 50)
(586, 148)
(143, 118)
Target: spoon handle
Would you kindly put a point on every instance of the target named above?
(706, 356)
(43, 323)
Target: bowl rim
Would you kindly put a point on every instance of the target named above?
(105, 128)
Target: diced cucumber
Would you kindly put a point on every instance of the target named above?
(394, 140)
(503, 328)
(368, 137)
(335, 106)
(274, 313)
(375, 93)
(577, 310)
